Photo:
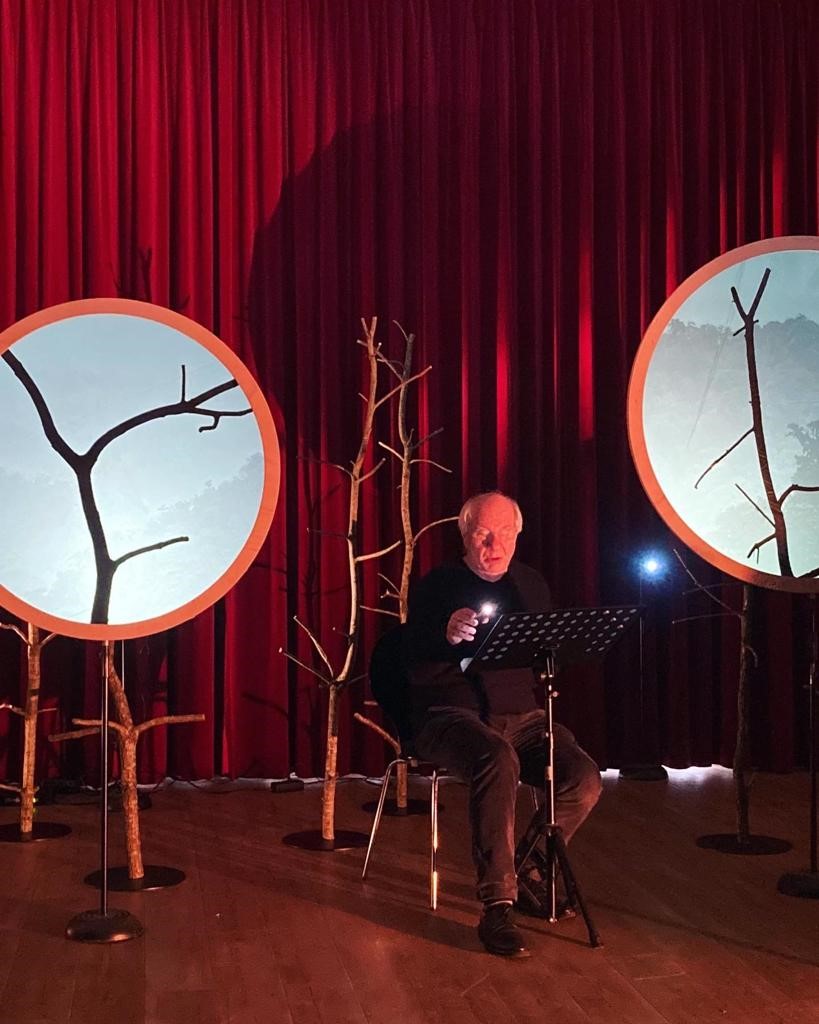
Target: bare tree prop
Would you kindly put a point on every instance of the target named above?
(336, 678)
(35, 643)
(127, 734)
(742, 766)
(408, 456)
(774, 516)
(82, 465)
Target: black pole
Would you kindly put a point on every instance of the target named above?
(104, 925)
(106, 666)
(812, 728)
(643, 771)
(806, 883)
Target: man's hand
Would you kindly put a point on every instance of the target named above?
(461, 625)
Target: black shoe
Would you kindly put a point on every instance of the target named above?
(497, 931)
(533, 901)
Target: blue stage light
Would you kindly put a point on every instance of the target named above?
(651, 565)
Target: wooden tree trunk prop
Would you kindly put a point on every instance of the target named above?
(775, 518)
(127, 735)
(407, 457)
(775, 515)
(29, 713)
(742, 841)
(742, 750)
(336, 680)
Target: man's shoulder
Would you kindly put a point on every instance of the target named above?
(531, 585)
(445, 572)
(521, 572)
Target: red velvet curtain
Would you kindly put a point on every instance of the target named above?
(519, 182)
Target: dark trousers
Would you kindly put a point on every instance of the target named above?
(491, 756)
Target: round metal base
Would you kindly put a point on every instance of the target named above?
(392, 810)
(643, 773)
(155, 877)
(93, 926)
(800, 883)
(40, 830)
(314, 840)
(756, 846)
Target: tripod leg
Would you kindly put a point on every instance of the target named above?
(573, 893)
(527, 847)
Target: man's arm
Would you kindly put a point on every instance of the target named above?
(428, 614)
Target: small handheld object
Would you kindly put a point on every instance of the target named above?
(486, 611)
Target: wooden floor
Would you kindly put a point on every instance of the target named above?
(262, 933)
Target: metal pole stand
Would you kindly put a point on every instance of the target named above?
(553, 858)
(806, 883)
(105, 924)
(648, 770)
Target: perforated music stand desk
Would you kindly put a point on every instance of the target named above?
(525, 639)
(532, 640)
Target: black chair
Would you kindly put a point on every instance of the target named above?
(390, 687)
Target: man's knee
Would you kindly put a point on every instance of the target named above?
(588, 785)
(579, 782)
(500, 759)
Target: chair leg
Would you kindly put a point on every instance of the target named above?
(433, 865)
(379, 810)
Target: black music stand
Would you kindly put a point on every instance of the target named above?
(533, 639)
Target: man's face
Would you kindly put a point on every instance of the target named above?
(493, 534)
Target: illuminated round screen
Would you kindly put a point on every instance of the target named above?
(723, 413)
(139, 468)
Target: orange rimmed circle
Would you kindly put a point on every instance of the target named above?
(636, 425)
(270, 456)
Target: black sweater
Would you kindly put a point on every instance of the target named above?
(433, 664)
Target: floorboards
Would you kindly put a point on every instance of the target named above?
(265, 933)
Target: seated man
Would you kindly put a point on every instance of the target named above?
(488, 728)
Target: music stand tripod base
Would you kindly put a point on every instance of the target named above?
(533, 639)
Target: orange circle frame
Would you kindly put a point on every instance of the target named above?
(272, 469)
(637, 441)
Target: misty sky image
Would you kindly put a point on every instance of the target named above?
(696, 404)
(160, 480)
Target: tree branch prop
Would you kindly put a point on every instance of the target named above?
(794, 487)
(407, 458)
(323, 679)
(338, 678)
(717, 461)
(35, 642)
(380, 611)
(393, 742)
(14, 629)
(401, 781)
(83, 463)
(128, 735)
(775, 505)
(775, 515)
(760, 544)
(315, 642)
(748, 497)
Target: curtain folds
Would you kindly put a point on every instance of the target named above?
(521, 183)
